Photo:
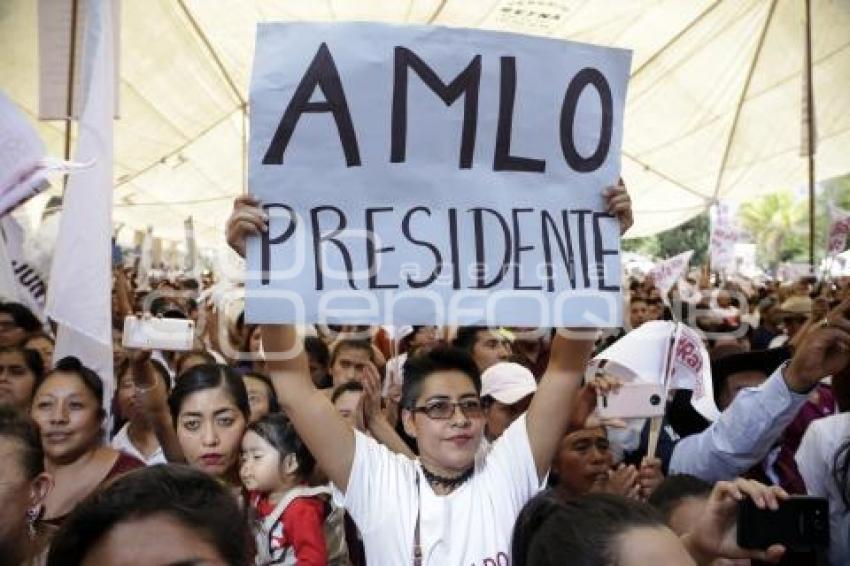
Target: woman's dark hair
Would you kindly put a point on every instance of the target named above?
(348, 386)
(19, 427)
(194, 499)
(674, 489)
(417, 368)
(89, 378)
(274, 405)
(276, 429)
(584, 529)
(404, 343)
(181, 359)
(317, 350)
(159, 369)
(209, 376)
(32, 359)
(23, 317)
(467, 336)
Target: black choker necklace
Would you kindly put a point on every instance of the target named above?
(449, 483)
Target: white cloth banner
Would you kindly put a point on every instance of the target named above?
(839, 226)
(22, 157)
(428, 175)
(667, 272)
(724, 234)
(29, 286)
(79, 295)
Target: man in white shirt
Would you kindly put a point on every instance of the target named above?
(825, 440)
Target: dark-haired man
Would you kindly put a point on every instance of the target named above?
(487, 346)
(348, 360)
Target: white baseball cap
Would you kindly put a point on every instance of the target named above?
(507, 382)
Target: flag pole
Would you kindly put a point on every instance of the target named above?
(69, 101)
(810, 130)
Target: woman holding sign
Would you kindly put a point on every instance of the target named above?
(447, 507)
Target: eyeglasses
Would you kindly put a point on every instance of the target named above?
(444, 410)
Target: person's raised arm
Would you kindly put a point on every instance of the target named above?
(373, 417)
(151, 397)
(123, 303)
(329, 438)
(549, 412)
(550, 409)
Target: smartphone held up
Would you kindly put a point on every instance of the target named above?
(156, 333)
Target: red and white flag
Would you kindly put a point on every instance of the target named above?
(839, 226)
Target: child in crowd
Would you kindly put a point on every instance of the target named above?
(290, 517)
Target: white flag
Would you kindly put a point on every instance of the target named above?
(667, 272)
(79, 295)
(662, 352)
(640, 355)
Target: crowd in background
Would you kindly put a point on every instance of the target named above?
(215, 453)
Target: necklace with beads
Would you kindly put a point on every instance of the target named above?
(448, 483)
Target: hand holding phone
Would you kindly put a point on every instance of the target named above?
(632, 400)
(151, 333)
(801, 523)
(715, 533)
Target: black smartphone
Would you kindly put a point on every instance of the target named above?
(800, 524)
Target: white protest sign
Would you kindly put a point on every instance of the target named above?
(838, 228)
(667, 272)
(427, 175)
(724, 234)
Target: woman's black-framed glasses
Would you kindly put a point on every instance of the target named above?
(441, 410)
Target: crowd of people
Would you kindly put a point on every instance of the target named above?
(425, 445)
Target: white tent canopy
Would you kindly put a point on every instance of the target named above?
(714, 104)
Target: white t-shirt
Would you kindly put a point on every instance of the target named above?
(815, 459)
(121, 441)
(472, 526)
